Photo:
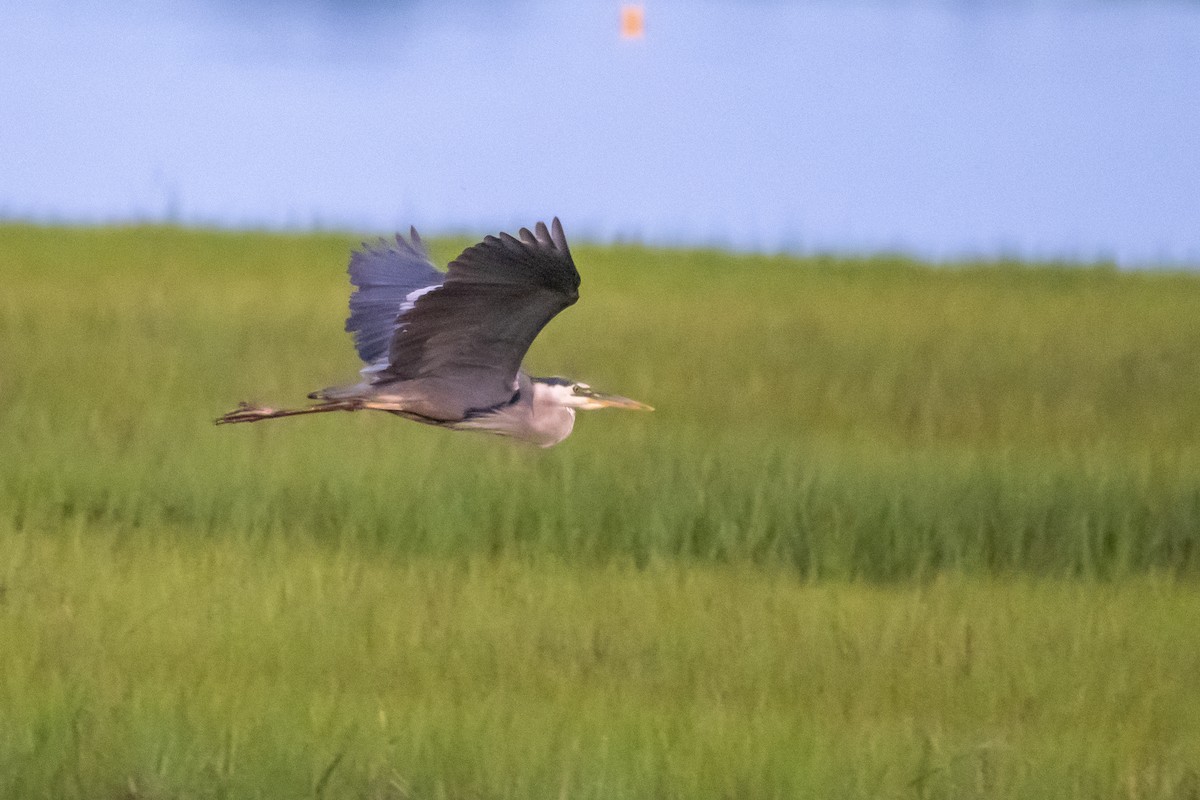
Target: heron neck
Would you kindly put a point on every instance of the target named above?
(552, 420)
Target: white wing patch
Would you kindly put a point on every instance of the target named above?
(372, 370)
(410, 299)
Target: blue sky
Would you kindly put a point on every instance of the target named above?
(940, 129)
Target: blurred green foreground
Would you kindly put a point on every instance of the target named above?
(893, 531)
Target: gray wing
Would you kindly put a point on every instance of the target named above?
(388, 278)
(467, 339)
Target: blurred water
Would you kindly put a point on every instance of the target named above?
(1050, 129)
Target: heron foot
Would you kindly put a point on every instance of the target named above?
(247, 412)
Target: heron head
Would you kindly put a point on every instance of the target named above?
(573, 394)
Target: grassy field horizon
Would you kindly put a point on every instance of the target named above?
(894, 530)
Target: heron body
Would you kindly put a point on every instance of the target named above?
(446, 348)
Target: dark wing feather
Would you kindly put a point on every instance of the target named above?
(385, 275)
(467, 339)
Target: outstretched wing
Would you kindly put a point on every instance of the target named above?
(468, 337)
(389, 279)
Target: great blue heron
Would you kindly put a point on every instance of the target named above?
(446, 348)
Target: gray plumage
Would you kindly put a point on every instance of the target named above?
(446, 348)
(384, 276)
(464, 342)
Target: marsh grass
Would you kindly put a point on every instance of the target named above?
(893, 531)
(180, 667)
(842, 419)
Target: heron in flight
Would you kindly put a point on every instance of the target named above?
(446, 348)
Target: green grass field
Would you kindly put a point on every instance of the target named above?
(894, 531)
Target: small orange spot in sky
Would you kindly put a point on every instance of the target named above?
(633, 21)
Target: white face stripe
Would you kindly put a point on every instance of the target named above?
(554, 394)
(563, 395)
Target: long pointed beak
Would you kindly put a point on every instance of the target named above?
(616, 401)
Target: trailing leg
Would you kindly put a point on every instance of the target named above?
(247, 412)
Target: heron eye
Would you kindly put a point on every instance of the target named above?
(580, 387)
